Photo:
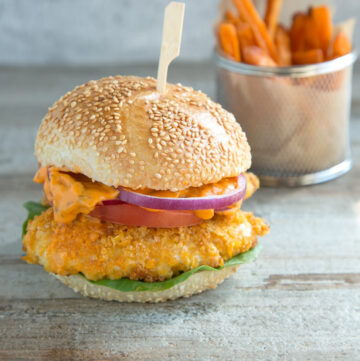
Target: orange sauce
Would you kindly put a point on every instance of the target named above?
(73, 193)
(225, 185)
(70, 193)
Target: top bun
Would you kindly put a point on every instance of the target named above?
(122, 132)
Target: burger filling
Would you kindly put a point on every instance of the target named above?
(106, 250)
(73, 236)
(72, 194)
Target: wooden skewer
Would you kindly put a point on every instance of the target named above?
(171, 40)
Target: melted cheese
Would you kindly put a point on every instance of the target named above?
(70, 193)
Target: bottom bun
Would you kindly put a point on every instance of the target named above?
(196, 283)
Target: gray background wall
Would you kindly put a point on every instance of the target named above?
(108, 31)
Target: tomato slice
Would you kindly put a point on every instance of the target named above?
(130, 215)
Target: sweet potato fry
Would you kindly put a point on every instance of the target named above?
(229, 41)
(341, 45)
(322, 22)
(282, 42)
(248, 11)
(230, 17)
(256, 56)
(307, 57)
(297, 32)
(311, 33)
(245, 36)
(273, 8)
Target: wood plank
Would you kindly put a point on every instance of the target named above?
(225, 327)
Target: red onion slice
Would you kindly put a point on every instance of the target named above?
(185, 204)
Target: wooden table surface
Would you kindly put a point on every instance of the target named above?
(299, 301)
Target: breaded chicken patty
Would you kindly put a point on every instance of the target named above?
(104, 250)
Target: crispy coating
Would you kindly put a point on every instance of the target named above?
(105, 250)
(253, 184)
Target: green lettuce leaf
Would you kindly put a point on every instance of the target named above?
(127, 285)
(34, 209)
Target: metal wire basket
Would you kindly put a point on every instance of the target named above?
(296, 118)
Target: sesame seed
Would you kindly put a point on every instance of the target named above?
(176, 137)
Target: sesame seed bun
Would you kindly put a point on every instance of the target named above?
(120, 131)
(196, 283)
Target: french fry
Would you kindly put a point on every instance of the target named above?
(248, 11)
(259, 40)
(297, 32)
(229, 41)
(256, 56)
(311, 34)
(282, 42)
(230, 17)
(341, 45)
(321, 18)
(308, 57)
(312, 37)
(272, 15)
(245, 36)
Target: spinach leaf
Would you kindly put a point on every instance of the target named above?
(34, 209)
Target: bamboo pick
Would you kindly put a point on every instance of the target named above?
(171, 40)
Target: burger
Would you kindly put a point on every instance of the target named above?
(142, 192)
